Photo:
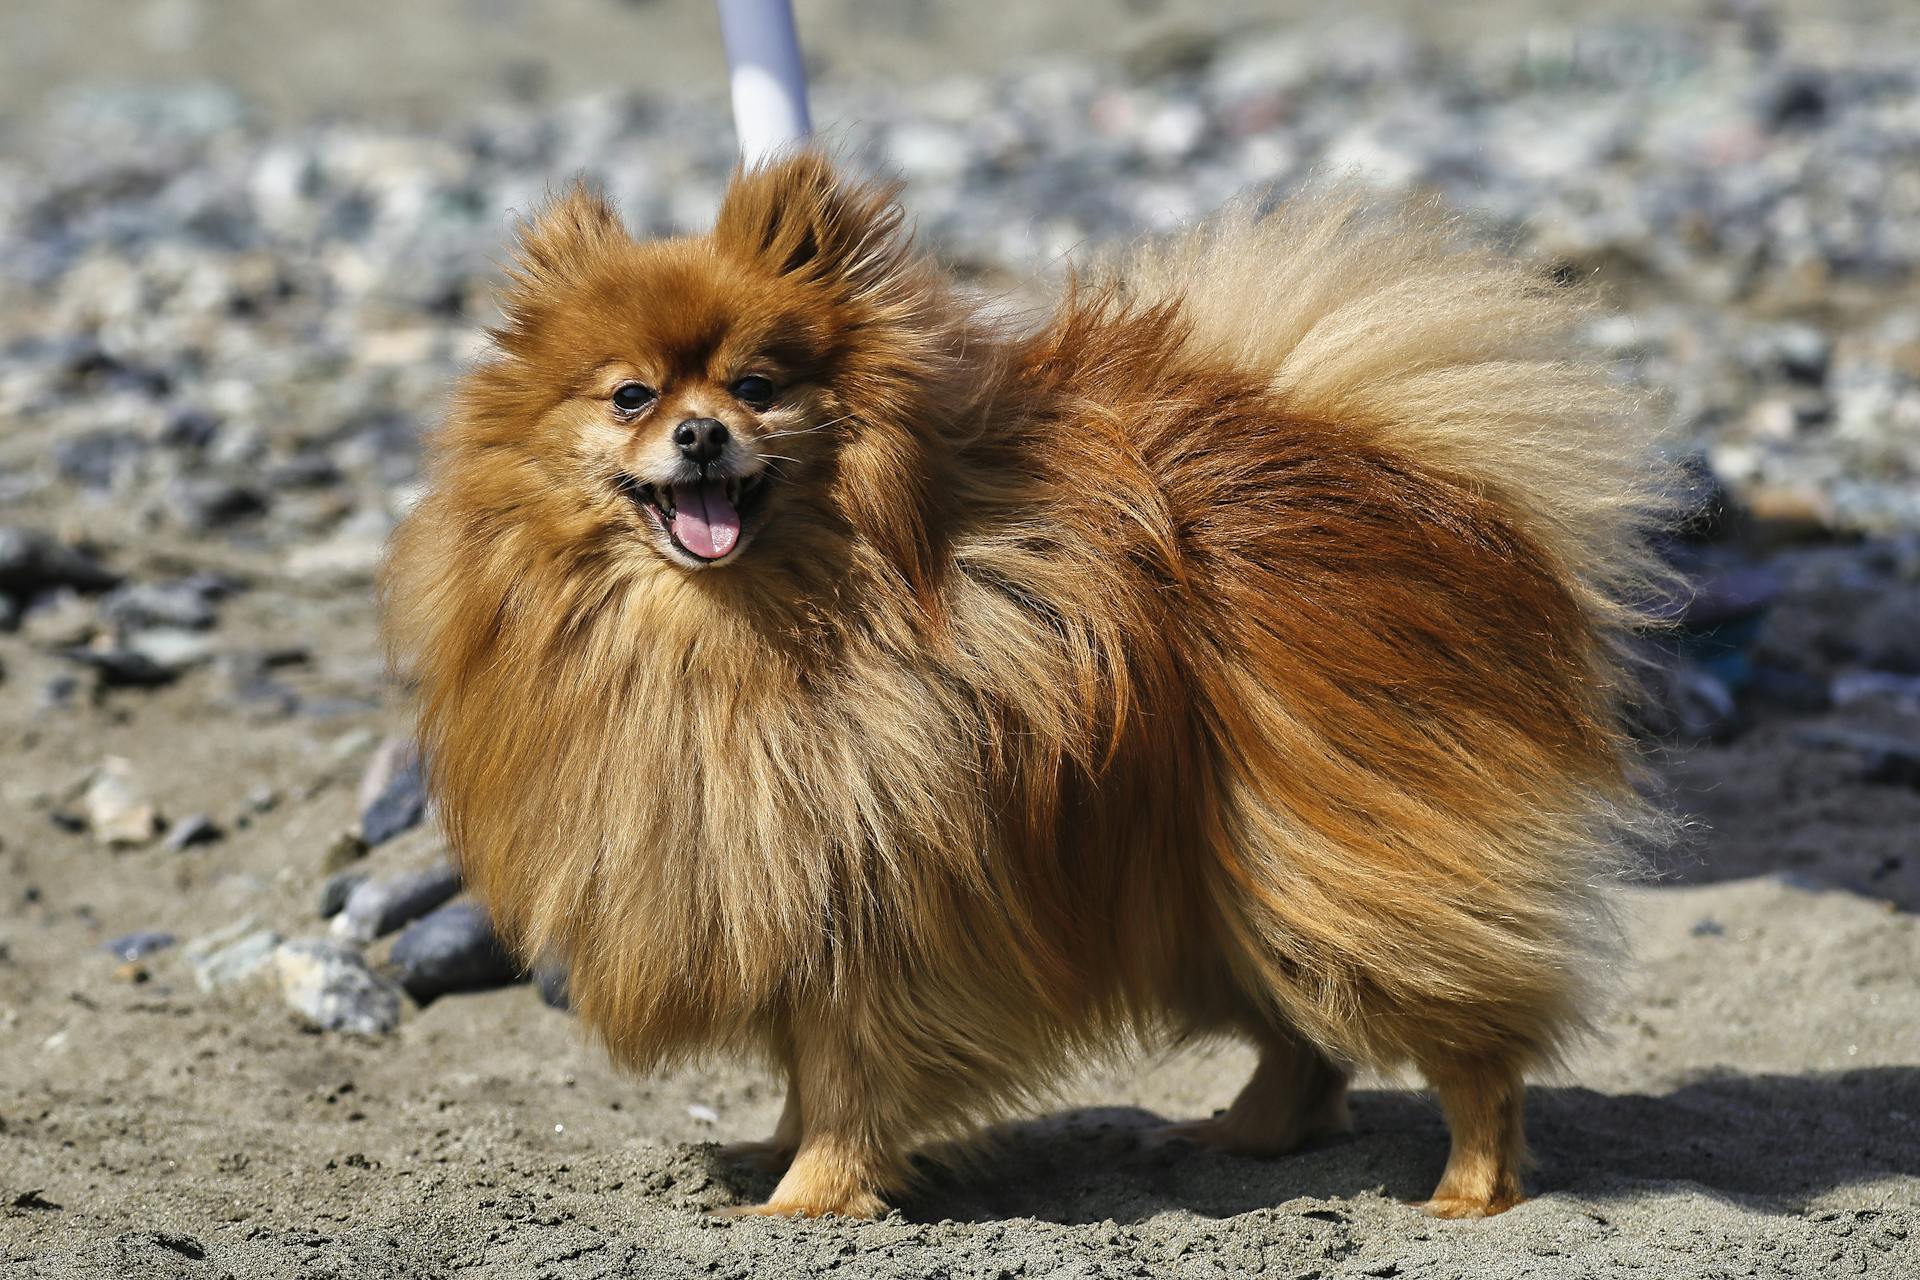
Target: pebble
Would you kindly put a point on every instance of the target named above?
(1853, 687)
(550, 979)
(231, 955)
(31, 560)
(204, 505)
(399, 806)
(171, 649)
(335, 890)
(379, 906)
(138, 946)
(119, 668)
(331, 987)
(453, 948)
(194, 829)
(116, 807)
(186, 604)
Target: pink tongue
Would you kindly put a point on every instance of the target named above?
(704, 522)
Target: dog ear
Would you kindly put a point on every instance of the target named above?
(801, 218)
(555, 248)
(557, 243)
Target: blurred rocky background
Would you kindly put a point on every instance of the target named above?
(244, 249)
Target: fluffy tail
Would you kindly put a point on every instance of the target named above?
(1387, 318)
(1416, 714)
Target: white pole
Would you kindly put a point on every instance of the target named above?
(769, 82)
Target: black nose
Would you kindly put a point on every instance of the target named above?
(701, 439)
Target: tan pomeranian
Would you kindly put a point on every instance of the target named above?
(830, 672)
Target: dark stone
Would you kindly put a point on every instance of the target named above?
(31, 561)
(190, 429)
(337, 889)
(550, 977)
(140, 945)
(452, 949)
(194, 829)
(377, 907)
(400, 806)
(123, 668)
(206, 503)
(309, 470)
(1799, 100)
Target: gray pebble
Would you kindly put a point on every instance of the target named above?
(139, 945)
(550, 977)
(331, 987)
(400, 805)
(453, 948)
(31, 560)
(231, 955)
(379, 906)
(336, 889)
(185, 603)
(194, 829)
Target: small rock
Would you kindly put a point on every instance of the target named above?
(194, 829)
(138, 946)
(122, 668)
(400, 805)
(218, 962)
(117, 810)
(31, 560)
(1707, 927)
(550, 978)
(335, 891)
(1853, 687)
(332, 987)
(452, 949)
(202, 504)
(392, 755)
(703, 1113)
(380, 906)
(186, 604)
(171, 649)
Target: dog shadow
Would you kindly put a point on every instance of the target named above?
(1774, 1142)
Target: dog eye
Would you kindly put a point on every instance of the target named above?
(754, 390)
(631, 397)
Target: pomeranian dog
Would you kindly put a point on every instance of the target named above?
(831, 671)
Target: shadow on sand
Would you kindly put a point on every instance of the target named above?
(1772, 1141)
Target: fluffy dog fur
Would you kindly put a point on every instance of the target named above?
(1234, 652)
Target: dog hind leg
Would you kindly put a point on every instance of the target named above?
(1296, 1094)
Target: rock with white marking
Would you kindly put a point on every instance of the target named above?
(331, 987)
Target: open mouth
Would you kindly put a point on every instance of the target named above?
(703, 519)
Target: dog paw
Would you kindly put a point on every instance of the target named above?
(857, 1206)
(1465, 1206)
